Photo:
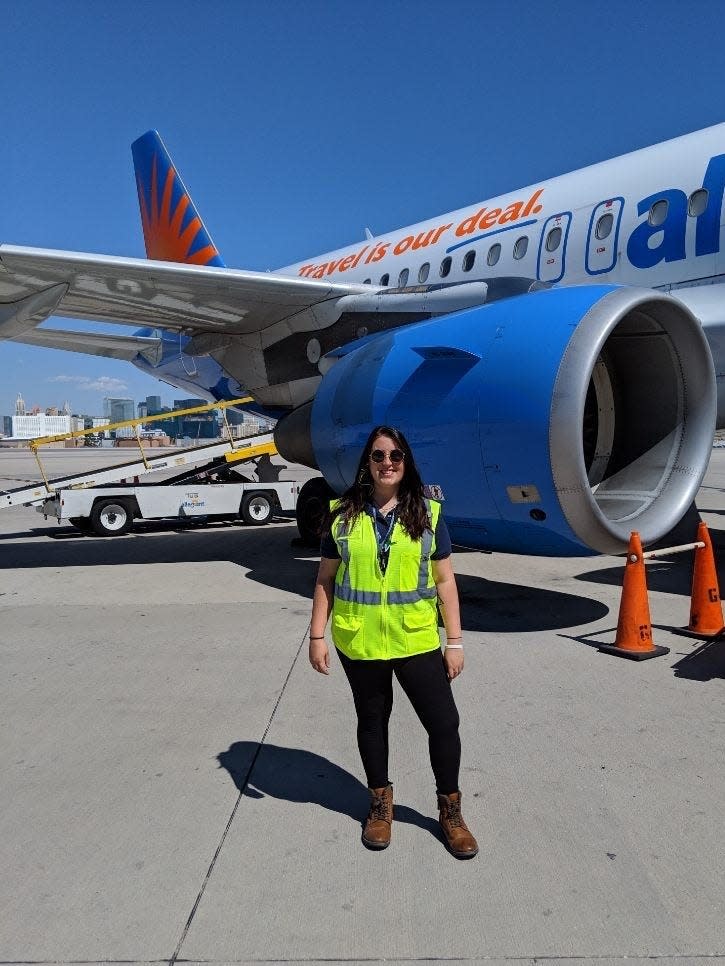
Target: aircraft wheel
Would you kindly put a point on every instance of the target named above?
(110, 518)
(256, 508)
(313, 505)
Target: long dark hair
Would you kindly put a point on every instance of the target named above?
(412, 511)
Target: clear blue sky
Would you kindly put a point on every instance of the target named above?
(297, 124)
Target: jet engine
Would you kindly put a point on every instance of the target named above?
(554, 423)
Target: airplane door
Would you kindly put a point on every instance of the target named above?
(603, 236)
(552, 248)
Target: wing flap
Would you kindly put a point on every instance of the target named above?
(124, 347)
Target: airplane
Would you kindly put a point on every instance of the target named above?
(555, 355)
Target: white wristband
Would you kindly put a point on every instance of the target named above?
(455, 647)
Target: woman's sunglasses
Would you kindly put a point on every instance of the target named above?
(396, 456)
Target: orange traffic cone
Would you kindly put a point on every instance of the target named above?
(634, 628)
(706, 618)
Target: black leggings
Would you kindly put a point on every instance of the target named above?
(423, 678)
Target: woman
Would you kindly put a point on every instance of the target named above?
(384, 567)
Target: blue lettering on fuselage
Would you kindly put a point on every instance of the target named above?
(707, 238)
(670, 233)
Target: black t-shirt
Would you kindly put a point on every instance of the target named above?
(328, 547)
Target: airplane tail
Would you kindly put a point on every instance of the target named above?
(172, 228)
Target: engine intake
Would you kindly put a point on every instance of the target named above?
(642, 365)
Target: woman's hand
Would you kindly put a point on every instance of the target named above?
(320, 656)
(445, 581)
(321, 609)
(453, 661)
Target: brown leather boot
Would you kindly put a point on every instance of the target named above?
(376, 834)
(459, 840)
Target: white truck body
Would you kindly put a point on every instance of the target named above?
(110, 510)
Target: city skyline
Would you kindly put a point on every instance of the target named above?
(32, 422)
(32, 406)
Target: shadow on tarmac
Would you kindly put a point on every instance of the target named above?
(264, 551)
(295, 775)
(270, 559)
(492, 606)
(671, 575)
(705, 663)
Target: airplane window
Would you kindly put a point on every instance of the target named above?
(553, 239)
(468, 259)
(658, 212)
(697, 202)
(403, 278)
(445, 266)
(520, 247)
(494, 253)
(423, 272)
(384, 279)
(604, 226)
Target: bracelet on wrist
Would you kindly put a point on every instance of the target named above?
(318, 638)
(454, 647)
(454, 638)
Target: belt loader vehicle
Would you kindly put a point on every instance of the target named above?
(103, 501)
(111, 510)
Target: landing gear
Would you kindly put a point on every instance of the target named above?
(313, 505)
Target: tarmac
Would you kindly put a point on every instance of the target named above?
(178, 785)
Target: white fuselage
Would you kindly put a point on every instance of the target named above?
(676, 244)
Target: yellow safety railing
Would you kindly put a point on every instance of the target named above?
(134, 424)
(172, 414)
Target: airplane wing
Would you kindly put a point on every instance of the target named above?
(37, 283)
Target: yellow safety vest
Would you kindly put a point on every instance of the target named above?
(376, 615)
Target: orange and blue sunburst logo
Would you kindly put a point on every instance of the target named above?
(172, 228)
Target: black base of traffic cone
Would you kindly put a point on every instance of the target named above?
(657, 651)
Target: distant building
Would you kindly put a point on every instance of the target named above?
(118, 409)
(98, 423)
(191, 404)
(197, 426)
(40, 424)
(153, 405)
(245, 424)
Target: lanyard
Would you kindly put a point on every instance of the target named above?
(385, 541)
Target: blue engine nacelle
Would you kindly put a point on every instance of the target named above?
(555, 423)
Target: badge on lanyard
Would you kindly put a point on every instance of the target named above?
(385, 541)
